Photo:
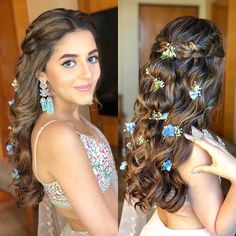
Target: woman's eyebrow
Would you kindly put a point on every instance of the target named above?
(76, 55)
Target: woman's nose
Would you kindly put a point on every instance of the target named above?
(86, 71)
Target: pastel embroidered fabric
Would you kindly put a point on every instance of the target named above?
(100, 156)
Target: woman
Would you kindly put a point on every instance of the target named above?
(56, 152)
(179, 87)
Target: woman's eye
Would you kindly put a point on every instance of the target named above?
(93, 59)
(69, 64)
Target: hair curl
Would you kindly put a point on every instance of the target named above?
(199, 59)
(37, 47)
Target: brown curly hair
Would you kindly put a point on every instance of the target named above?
(199, 59)
(37, 47)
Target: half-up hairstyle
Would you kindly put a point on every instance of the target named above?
(197, 59)
(37, 47)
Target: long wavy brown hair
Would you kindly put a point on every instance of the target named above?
(37, 47)
(199, 60)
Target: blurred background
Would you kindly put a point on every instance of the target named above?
(15, 17)
(139, 22)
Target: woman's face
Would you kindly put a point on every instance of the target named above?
(73, 69)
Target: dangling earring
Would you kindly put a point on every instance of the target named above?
(46, 99)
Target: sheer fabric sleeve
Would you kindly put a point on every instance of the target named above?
(50, 221)
(132, 220)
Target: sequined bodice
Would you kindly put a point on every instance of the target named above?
(102, 163)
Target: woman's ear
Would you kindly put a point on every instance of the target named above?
(42, 76)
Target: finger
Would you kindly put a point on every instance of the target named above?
(203, 142)
(202, 169)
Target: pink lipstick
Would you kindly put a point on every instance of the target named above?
(84, 88)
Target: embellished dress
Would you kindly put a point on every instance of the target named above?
(51, 223)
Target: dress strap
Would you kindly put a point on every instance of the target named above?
(36, 142)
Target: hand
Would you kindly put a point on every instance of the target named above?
(223, 163)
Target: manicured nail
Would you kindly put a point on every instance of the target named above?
(195, 171)
(189, 137)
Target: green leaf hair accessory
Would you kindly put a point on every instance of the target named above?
(158, 115)
(14, 84)
(142, 141)
(169, 52)
(158, 83)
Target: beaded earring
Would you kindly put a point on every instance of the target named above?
(46, 99)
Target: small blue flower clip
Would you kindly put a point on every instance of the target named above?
(123, 165)
(158, 83)
(169, 52)
(129, 127)
(142, 141)
(10, 148)
(166, 165)
(15, 174)
(171, 130)
(158, 115)
(11, 102)
(195, 91)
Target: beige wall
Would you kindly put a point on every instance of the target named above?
(36, 7)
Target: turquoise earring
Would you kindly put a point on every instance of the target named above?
(46, 101)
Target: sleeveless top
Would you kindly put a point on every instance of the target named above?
(101, 159)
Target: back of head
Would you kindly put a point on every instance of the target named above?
(41, 37)
(180, 86)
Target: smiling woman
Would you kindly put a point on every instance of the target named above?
(56, 73)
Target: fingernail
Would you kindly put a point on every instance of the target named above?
(189, 137)
(195, 171)
(193, 127)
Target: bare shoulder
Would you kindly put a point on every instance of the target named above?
(198, 157)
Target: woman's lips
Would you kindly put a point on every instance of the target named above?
(84, 88)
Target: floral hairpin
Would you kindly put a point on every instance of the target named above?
(11, 102)
(123, 165)
(142, 141)
(129, 146)
(158, 83)
(129, 127)
(171, 130)
(169, 52)
(158, 115)
(10, 148)
(14, 84)
(15, 174)
(195, 91)
(166, 165)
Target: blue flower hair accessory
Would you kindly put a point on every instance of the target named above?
(142, 141)
(158, 115)
(123, 165)
(171, 130)
(15, 174)
(169, 52)
(196, 91)
(11, 102)
(10, 148)
(129, 127)
(166, 166)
